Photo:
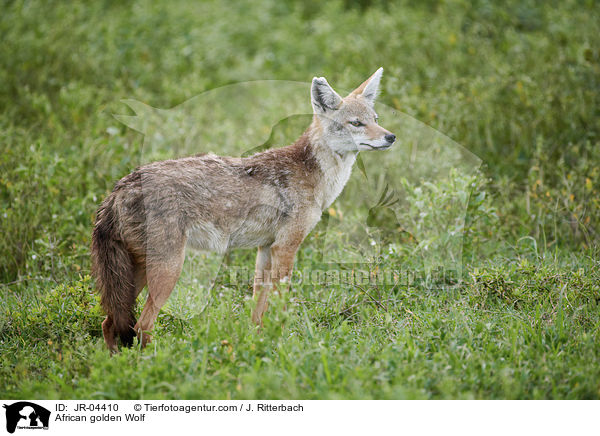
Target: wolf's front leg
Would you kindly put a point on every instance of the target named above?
(262, 272)
(282, 263)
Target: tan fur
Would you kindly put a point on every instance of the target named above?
(270, 200)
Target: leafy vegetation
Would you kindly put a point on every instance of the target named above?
(516, 84)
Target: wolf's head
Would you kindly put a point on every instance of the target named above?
(350, 124)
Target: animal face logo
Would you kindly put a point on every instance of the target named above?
(26, 415)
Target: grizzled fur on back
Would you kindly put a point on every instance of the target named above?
(218, 203)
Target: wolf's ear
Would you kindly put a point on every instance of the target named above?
(323, 97)
(370, 87)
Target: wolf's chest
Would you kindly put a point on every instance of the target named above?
(336, 178)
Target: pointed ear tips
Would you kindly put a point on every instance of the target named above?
(319, 81)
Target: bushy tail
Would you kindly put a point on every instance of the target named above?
(113, 269)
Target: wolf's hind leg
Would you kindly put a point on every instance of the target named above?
(162, 277)
(140, 278)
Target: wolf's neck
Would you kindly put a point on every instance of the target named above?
(335, 168)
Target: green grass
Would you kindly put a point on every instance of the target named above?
(517, 84)
(523, 330)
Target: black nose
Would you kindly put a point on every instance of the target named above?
(390, 138)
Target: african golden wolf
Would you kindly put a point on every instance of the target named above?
(270, 200)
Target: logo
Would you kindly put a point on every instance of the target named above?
(26, 415)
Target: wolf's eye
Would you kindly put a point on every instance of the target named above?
(376, 120)
(356, 123)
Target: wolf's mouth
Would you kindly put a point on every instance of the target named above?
(382, 147)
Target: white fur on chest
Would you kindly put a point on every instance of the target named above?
(336, 172)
